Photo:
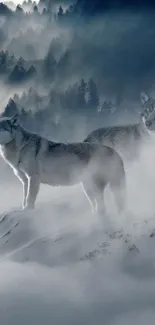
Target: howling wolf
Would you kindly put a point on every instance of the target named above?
(125, 138)
(36, 160)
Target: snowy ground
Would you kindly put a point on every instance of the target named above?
(61, 265)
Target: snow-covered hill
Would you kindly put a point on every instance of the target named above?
(61, 265)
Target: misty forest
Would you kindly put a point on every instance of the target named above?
(68, 68)
(75, 66)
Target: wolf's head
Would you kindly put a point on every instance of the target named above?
(148, 111)
(8, 126)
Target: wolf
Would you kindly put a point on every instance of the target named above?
(148, 111)
(36, 160)
(126, 139)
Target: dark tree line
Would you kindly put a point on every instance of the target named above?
(111, 68)
(15, 70)
(77, 98)
(59, 108)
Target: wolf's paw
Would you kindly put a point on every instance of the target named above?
(29, 207)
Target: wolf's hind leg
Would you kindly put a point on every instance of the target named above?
(33, 189)
(99, 186)
(119, 191)
(94, 191)
(89, 192)
(23, 178)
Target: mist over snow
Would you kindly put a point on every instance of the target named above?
(68, 68)
(61, 264)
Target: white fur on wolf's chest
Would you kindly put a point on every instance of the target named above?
(9, 156)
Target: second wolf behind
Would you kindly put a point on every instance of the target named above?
(126, 139)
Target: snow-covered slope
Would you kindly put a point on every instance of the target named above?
(61, 265)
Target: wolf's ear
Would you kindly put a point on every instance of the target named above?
(143, 120)
(14, 119)
(144, 98)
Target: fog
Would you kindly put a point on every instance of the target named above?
(68, 71)
(61, 264)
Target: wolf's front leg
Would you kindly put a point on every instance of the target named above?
(33, 189)
(23, 178)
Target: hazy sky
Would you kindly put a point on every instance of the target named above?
(16, 1)
(54, 1)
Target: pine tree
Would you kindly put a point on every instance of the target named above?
(49, 64)
(81, 94)
(93, 98)
(3, 61)
(10, 109)
(60, 12)
(19, 9)
(35, 9)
